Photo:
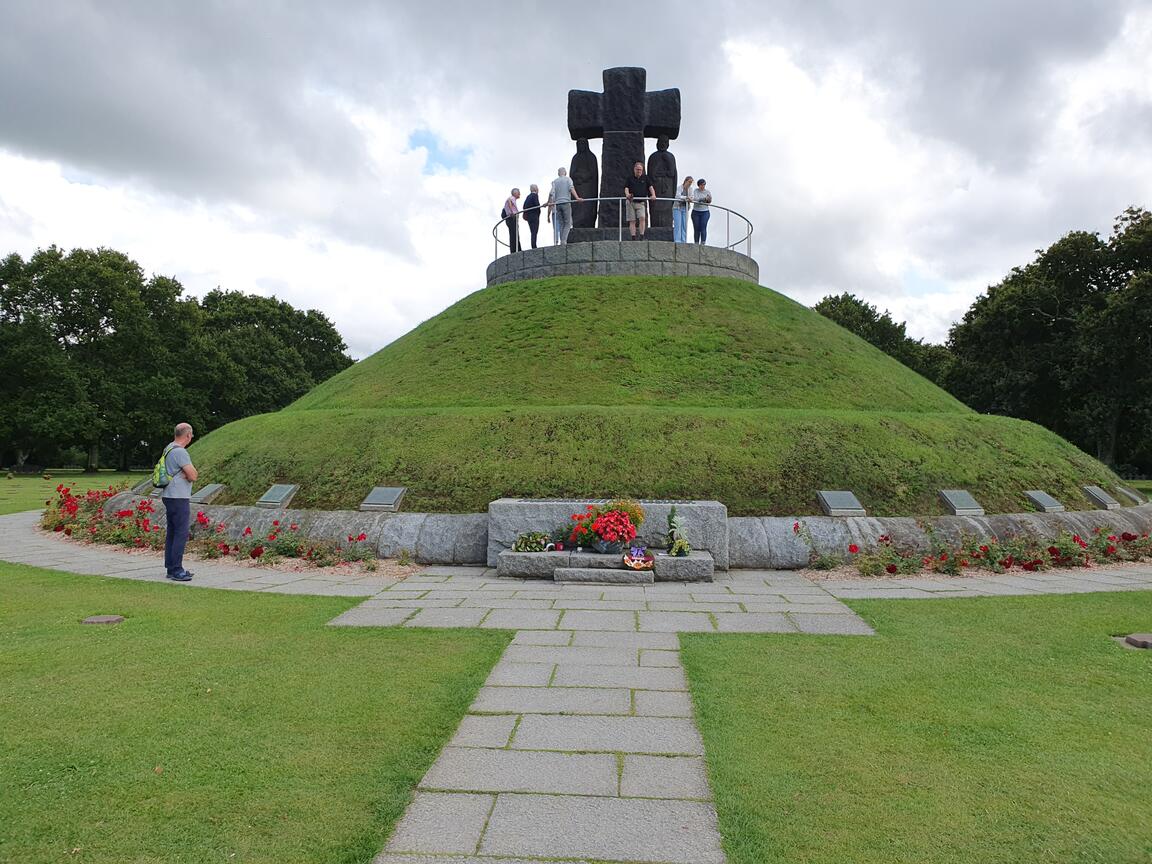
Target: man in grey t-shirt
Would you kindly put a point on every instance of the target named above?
(563, 191)
(177, 503)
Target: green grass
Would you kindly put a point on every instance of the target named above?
(213, 725)
(650, 387)
(29, 492)
(630, 341)
(756, 462)
(988, 730)
(1144, 486)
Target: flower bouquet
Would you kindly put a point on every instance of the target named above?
(606, 529)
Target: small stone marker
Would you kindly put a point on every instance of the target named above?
(103, 619)
(840, 503)
(1044, 502)
(1100, 498)
(279, 496)
(1135, 496)
(385, 498)
(1139, 640)
(208, 494)
(960, 502)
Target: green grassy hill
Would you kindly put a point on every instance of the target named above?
(650, 387)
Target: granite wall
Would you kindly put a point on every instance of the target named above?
(758, 542)
(630, 258)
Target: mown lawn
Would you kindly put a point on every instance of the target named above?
(984, 730)
(29, 492)
(213, 725)
(1144, 486)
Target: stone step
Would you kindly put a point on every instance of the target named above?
(694, 567)
(604, 575)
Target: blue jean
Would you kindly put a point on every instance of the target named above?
(679, 225)
(178, 511)
(700, 225)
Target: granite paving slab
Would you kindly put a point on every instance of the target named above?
(479, 770)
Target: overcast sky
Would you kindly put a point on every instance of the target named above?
(353, 156)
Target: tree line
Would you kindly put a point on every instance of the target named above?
(1064, 341)
(97, 362)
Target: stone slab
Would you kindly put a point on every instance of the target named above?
(530, 565)
(659, 657)
(521, 619)
(553, 700)
(676, 622)
(635, 677)
(386, 499)
(447, 618)
(490, 730)
(754, 622)
(618, 829)
(577, 619)
(362, 616)
(665, 777)
(475, 770)
(207, 494)
(569, 655)
(441, 822)
(505, 674)
(1043, 502)
(653, 735)
(623, 639)
(1100, 498)
(959, 502)
(662, 703)
(602, 576)
(278, 496)
(694, 567)
(840, 502)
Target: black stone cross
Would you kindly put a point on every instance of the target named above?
(623, 115)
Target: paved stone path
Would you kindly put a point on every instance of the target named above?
(581, 745)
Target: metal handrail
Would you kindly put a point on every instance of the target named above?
(729, 243)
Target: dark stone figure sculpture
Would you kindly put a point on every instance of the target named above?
(585, 174)
(662, 170)
(623, 115)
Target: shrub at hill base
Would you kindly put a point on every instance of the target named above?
(658, 387)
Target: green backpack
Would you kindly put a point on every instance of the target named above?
(160, 475)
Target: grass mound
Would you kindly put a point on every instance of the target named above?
(650, 387)
(998, 730)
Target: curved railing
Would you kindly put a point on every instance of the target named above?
(743, 226)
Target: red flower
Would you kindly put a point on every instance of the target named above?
(362, 537)
(795, 527)
(276, 523)
(884, 538)
(201, 518)
(1111, 550)
(963, 562)
(293, 527)
(248, 532)
(272, 536)
(351, 539)
(853, 548)
(123, 514)
(892, 568)
(256, 552)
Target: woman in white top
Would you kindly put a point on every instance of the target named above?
(680, 211)
(701, 198)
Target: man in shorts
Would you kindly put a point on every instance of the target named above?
(177, 501)
(638, 188)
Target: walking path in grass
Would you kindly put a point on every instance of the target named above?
(582, 744)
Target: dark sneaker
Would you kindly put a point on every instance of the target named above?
(182, 576)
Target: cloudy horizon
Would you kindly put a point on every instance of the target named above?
(353, 158)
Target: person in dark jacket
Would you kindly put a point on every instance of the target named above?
(531, 211)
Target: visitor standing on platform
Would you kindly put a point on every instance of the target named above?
(532, 212)
(701, 198)
(177, 497)
(563, 191)
(680, 211)
(511, 216)
(637, 188)
(553, 221)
